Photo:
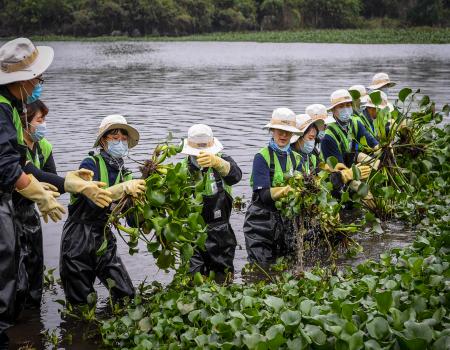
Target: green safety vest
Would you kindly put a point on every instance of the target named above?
(16, 120)
(210, 181)
(343, 140)
(310, 159)
(45, 148)
(104, 175)
(364, 121)
(278, 177)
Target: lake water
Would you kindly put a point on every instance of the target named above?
(233, 87)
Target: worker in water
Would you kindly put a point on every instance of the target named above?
(219, 173)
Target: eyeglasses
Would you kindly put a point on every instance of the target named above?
(40, 79)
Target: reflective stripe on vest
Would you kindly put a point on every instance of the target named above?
(44, 148)
(278, 176)
(344, 140)
(364, 121)
(16, 120)
(310, 159)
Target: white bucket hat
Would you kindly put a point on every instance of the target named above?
(380, 80)
(201, 138)
(20, 60)
(318, 111)
(367, 102)
(283, 119)
(303, 122)
(360, 88)
(338, 97)
(116, 121)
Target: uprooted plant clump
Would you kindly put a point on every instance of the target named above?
(399, 302)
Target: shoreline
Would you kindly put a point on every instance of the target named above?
(422, 35)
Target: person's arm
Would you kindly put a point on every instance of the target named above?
(50, 166)
(44, 176)
(11, 174)
(235, 173)
(329, 148)
(261, 180)
(362, 132)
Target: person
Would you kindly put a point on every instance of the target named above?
(267, 234)
(362, 93)
(381, 81)
(21, 67)
(369, 112)
(85, 229)
(31, 264)
(342, 138)
(219, 172)
(319, 112)
(305, 142)
(304, 145)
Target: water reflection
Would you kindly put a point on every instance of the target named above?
(163, 87)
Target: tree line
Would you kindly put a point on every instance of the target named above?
(181, 17)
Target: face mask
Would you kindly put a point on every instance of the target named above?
(117, 149)
(321, 135)
(345, 114)
(36, 94)
(39, 132)
(308, 146)
(274, 146)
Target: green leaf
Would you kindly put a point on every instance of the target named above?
(378, 328)
(384, 301)
(404, 93)
(275, 336)
(165, 259)
(306, 306)
(102, 248)
(137, 313)
(290, 318)
(186, 251)
(363, 190)
(376, 97)
(312, 277)
(156, 198)
(172, 231)
(354, 94)
(296, 344)
(372, 345)
(316, 334)
(255, 341)
(274, 302)
(145, 325)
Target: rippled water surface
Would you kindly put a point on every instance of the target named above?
(233, 87)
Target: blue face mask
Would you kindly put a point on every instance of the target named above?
(308, 146)
(36, 94)
(345, 113)
(39, 132)
(274, 146)
(117, 149)
(321, 135)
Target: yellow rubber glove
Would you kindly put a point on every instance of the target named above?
(208, 160)
(279, 192)
(75, 183)
(364, 171)
(132, 187)
(44, 199)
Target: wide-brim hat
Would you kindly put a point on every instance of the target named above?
(367, 102)
(338, 97)
(283, 119)
(304, 121)
(116, 121)
(380, 80)
(20, 60)
(201, 139)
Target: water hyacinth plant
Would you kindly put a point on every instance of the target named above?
(400, 301)
(168, 218)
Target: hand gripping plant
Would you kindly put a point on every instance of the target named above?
(168, 217)
(315, 216)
